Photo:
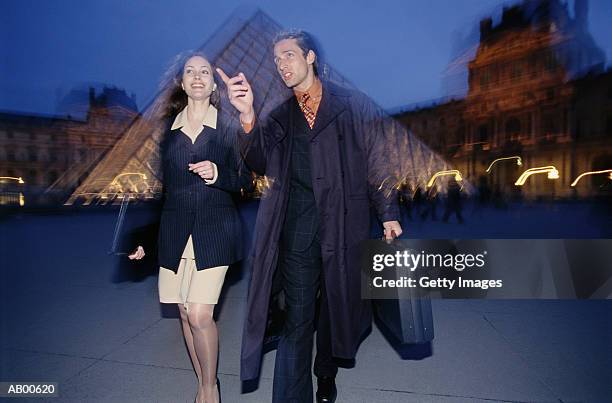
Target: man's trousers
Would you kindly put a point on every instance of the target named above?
(302, 279)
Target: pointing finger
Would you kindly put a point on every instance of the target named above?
(223, 76)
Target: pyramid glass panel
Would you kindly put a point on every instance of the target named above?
(242, 44)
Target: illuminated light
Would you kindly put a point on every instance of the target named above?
(265, 183)
(382, 183)
(455, 172)
(591, 173)
(143, 176)
(115, 186)
(518, 159)
(19, 179)
(550, 170)
(21, 200)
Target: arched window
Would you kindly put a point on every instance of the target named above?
(485, 77)
(550, 125)
(513, 129)
(483, 134)
(460, 133)
(515, 70)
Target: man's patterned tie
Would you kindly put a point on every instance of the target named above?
(308, 112)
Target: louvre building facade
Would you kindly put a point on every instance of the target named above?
(53, 155)
(537, 90)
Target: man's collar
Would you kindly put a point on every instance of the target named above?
(210, 119)
(315, 90)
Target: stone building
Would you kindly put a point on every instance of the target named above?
(53, 154)
(537, 89)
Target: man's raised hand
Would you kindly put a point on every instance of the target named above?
(240, 95)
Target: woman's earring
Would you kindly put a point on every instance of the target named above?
(215, 87)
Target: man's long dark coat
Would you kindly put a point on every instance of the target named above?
(349, 166)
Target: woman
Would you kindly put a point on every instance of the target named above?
(199, 232)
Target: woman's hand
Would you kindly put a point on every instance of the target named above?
(240, 95)
(206, 169)
(138, 254)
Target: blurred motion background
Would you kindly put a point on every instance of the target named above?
(512, 101)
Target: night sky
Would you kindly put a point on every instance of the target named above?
(394, 50)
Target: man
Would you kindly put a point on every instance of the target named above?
(325, 162)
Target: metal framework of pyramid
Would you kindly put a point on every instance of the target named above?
(242, 44)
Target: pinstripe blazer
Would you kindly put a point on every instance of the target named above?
(190, 206)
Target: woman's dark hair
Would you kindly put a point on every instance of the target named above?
(176, 98)
(305, 41)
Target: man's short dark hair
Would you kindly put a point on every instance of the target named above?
(304, 40)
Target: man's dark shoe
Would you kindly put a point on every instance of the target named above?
(326, 389)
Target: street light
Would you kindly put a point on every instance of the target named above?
(550, 170)
(455, 172)
(575, 182)
(19, 179)
(519, 162)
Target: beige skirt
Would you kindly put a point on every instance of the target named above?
(188, 284)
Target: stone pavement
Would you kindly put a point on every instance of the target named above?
(74, 315)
